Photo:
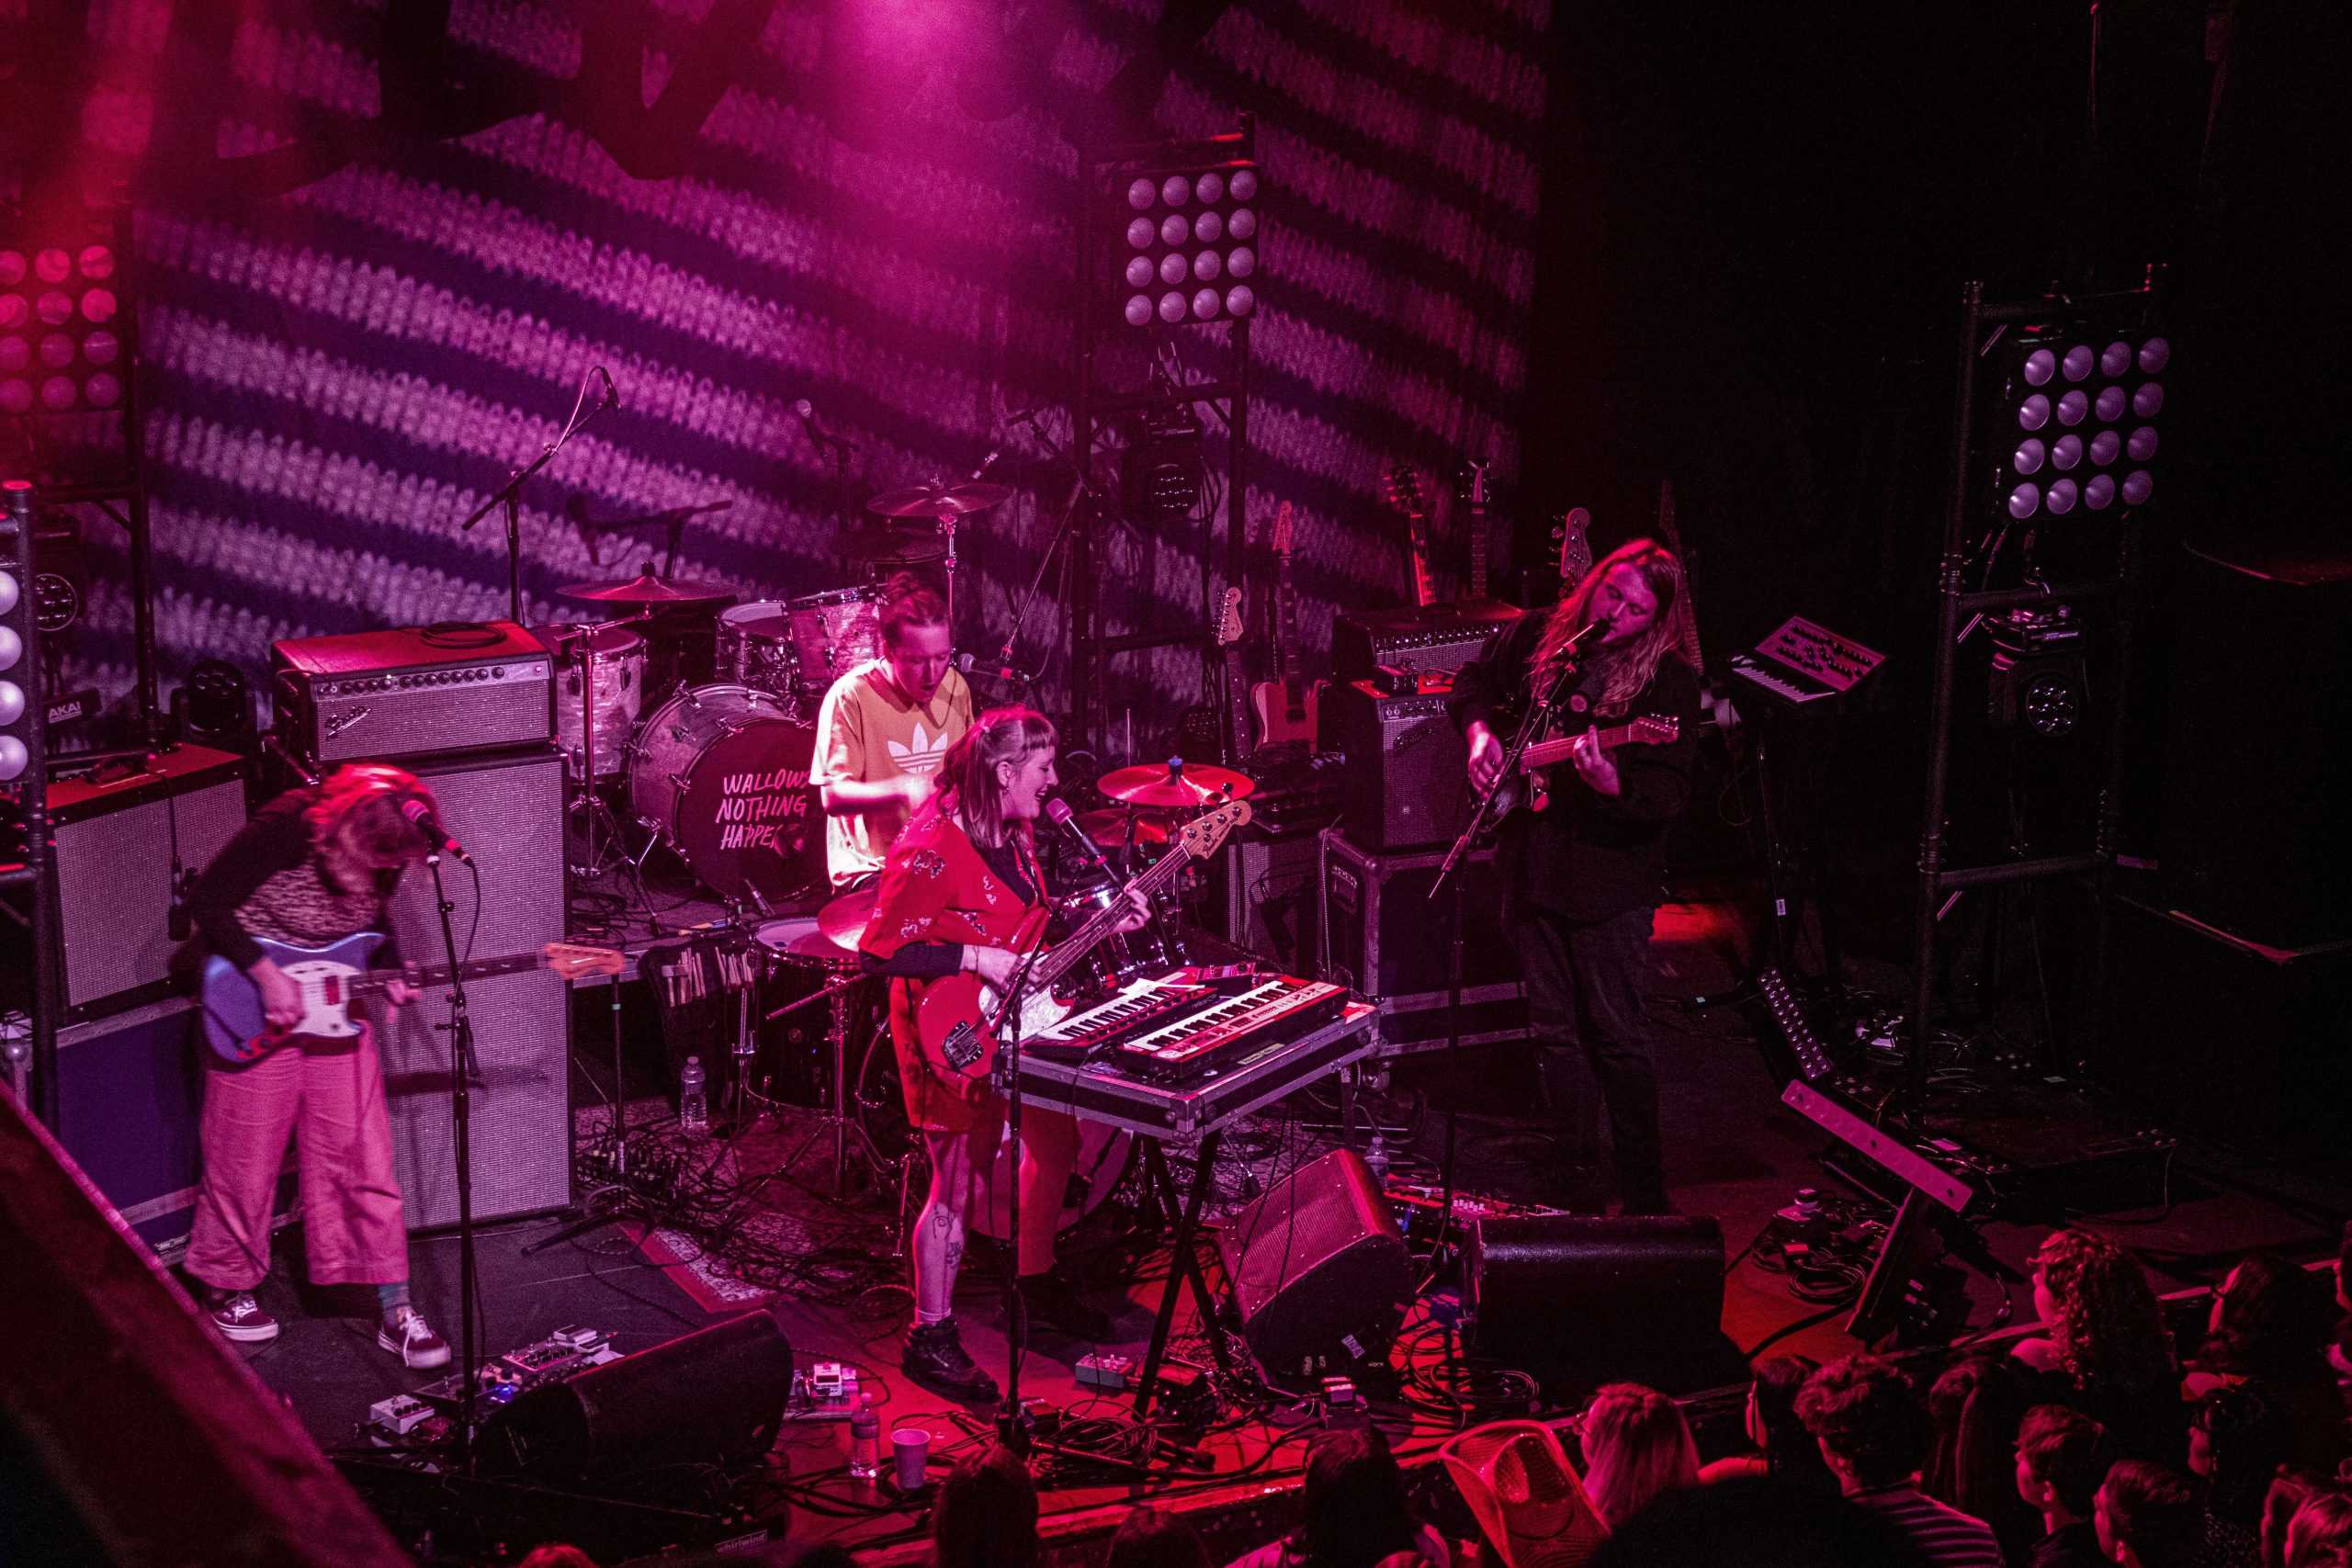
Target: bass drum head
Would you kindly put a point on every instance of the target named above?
(721, 773)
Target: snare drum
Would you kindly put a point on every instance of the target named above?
(721, 774)
(793, 1064)
(755, 648)
(616, 676)
(833, 633)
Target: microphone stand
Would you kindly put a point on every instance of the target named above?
(460, 1030)
(510, 497)
(1011, 1422)
(1082, 492)
(1537, 722)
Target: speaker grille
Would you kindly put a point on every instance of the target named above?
(1320, 1269)
(508, 811)
(114, 888)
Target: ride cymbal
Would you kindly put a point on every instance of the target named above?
(1175, 787)
(936, 498)
(646, 590)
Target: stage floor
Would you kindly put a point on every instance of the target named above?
(1733, 1153)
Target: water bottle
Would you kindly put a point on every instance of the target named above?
(1375, 1155)
(864, 1440)
(694, 1104)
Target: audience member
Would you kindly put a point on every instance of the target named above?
(824, 1554)
(1874, 1435)
(1783, 1447)
(557, 1554)
(2147, 1516)
(1636, 1447)
(2061, 1458)
(1356, 1510)
(2236, 1443)
(1152, 1538)
(2319, 1535)
(986, 1513)
(1757, 1522)
(2268, 1331)
(1973, 1412)
(2107, 1353)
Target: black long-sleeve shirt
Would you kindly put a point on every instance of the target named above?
(1591, 856)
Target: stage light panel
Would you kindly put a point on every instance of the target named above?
(1193, 231)
(2076, 422)
(58, 304)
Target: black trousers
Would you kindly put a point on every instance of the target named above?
(1584, 995)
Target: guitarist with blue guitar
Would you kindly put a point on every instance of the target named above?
(305, 882)
(1583, 860)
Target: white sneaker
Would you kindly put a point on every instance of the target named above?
(411, 1339)
(239, 1317)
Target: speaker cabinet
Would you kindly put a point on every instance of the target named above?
(1567, 1288)
(124, 833)
(1318, 1271)
(1407, 778)
(507, 809)
(1384, 935)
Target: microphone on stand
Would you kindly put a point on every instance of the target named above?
(612, 393)
(1589, 632)
(973, 664)
(1058, 813)
(416, 809)
(806, 412)
(986, 464)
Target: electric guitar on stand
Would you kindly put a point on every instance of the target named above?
(960, 1016)
(1479, 527)
(1286, 708)
(1403, 487)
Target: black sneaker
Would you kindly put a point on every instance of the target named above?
(1053, 1302)
(238, 1316)
(935, 1357)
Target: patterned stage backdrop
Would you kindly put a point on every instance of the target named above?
(354, 343)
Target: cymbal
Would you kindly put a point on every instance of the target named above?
(898, 542)
(1110, 825)
(844, 919)
(816, 945)
(1164, 785)
(646, 590)
(937, 499)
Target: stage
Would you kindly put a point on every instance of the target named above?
(767, 1235)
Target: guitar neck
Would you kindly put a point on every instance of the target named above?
(1545, 753)
(1424, 580)
(441, 974)
(1081, 941)
(1477, 552)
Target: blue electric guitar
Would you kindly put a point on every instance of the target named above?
(331, 978)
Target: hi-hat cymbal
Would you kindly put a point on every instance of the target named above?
(936, 499)
(844, 919)
(1114, 828)
(646, 590)
(1178, 786)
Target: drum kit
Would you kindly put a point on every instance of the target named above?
(696, 711)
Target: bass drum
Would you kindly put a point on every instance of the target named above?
(1104, 1154)
(721, 774)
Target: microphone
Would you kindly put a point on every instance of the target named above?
(972, 664)
(418, 812)
(1591, 631)
(612, 393)
(986, 464)
(818, 433)
(1058, 813)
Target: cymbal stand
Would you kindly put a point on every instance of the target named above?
(1083, 491)
(849, 1134)
(581, 652)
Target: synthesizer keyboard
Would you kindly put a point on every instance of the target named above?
(1194, 1041)
(1137, 1005)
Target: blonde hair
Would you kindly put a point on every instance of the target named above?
(1623, 671)
(1636, 1447)
(968, 790)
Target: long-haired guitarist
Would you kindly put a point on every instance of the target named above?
(1582, 878)
(960, 891)
(313, 866)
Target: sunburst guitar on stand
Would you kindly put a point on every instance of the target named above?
(331, 978)
(961, 1016)
(1287, 706)
(1403, 487)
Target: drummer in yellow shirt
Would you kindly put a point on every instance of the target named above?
(883, 728)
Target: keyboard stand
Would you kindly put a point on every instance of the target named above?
(1185, 1264)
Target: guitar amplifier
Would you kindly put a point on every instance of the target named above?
(130, 835)
(408, 691)
(1407, 783)
(1443, 637)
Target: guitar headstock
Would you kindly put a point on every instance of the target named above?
(1228, 619)
(1475, 470)
(1652, 731)
(1281, 531)
(1401, 485)
(572, 961)
(1575, 546)
(1204, 834)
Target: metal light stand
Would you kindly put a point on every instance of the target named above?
(37, 877)
(460, 1030)
(1090, 648)
(1956, 608)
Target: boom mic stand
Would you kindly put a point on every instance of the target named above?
(510, 497)
(460, 1030)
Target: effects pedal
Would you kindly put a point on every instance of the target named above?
(826, 1392)
(1110, 1372)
